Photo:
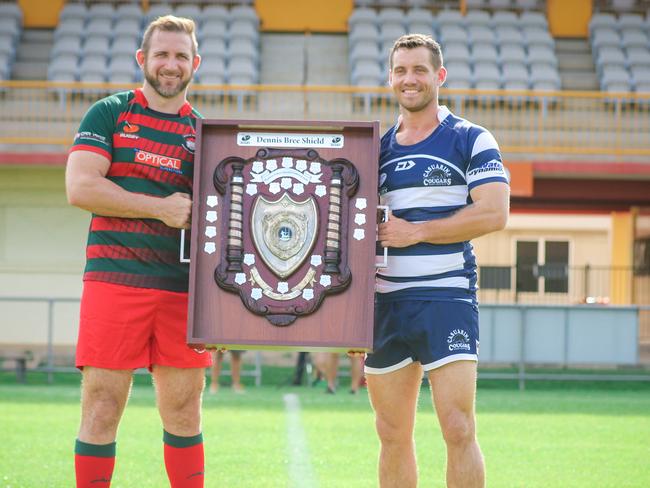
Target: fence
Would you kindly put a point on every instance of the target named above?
(565, 335)
(566, 122)
(54, 350)
(568, 285)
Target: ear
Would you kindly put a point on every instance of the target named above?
(196, 62)
(139, 57)
(442, 75)
(390, 77)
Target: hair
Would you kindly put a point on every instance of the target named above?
(170, 23)
(411, 41)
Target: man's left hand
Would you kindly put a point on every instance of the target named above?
(398, 232)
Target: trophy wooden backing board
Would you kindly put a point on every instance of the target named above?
(218, 317)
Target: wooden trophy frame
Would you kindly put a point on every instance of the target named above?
(283, 235)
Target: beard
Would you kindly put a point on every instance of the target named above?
(416, 105)
(166, 91)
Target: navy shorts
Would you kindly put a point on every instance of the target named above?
(433, 333)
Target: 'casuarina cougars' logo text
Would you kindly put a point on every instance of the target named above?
(437, 175)
(458, 340)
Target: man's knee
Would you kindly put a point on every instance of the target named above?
(393, 433)
(102, 412)
(182, 413)
(458, 427)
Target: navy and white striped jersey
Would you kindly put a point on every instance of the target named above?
(430, 180)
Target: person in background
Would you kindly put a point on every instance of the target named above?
(326, 365)
(235, 371)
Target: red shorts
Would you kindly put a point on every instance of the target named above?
(124, 327)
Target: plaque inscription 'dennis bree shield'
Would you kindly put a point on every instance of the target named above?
(282, 251)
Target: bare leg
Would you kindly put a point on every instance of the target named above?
(356, 373)
(178, 393)
(104, 393)
(331, 371)
(394, 399)
(454, 391)
(319, 361)
(215, 371)
(235, 371)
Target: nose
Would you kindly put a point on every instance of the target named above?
(409, 78)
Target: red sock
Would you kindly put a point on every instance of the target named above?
(93, 464)
(184, 460)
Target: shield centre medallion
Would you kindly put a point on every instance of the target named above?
(284, 232)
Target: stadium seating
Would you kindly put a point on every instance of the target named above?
(476, 47)
(10, 27)
(105, 33)
(621, 49)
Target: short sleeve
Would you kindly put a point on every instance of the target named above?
(96, 131)
(486, 165)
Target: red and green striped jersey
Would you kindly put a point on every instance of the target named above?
(151, 153)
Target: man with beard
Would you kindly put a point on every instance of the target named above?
(443, 179)
(131, 165)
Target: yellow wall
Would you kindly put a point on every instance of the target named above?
(569, 18)
(622, 238)
(304, 15)
(40, 13)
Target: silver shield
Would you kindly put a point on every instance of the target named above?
(284, 231)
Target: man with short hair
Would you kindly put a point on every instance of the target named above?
(444, 182)
(131, 165)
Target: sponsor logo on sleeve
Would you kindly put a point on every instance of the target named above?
(157, 161)
(494, 168)
(87, 135)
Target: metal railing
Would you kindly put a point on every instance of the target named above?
(568, 285)
(564, 285)
(541, 122)
(50, 367)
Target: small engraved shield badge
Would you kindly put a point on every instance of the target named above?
(284, 232)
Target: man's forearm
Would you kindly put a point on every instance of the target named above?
(470, 222)
(103, 197)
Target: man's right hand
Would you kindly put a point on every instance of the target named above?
(176, 210)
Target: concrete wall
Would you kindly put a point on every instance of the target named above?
(570, 336)
(42, 253)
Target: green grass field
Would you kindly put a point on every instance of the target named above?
(560, 435)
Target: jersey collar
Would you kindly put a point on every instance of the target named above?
(140, 99)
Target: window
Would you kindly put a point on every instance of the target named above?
(495, 277)
(555, 269)
(527, 266)
(543, 266)
(642, 257)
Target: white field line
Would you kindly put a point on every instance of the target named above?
(300, 469)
